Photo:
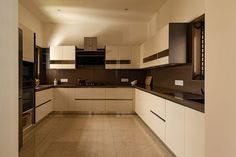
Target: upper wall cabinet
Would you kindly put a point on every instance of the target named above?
(62, 57)
(28, 44)
(167, 47)
(122, 57)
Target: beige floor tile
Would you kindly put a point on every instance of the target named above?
(92, 136)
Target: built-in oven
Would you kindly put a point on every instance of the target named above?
(28, 95)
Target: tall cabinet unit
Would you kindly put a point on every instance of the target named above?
(62, 57)
(28, 44)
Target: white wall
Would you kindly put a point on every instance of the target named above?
(9, 78)
(107, 33)
(171, 11)
(30, 21)
(220, 78)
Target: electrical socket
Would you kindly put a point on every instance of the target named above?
(179, 82)
(64, 80)
(124, 80)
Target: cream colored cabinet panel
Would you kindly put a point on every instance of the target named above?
(157, 105)
(120, 106)
(119, 93)
(90, 93)
(142, 107)
(43, 111)
(98, 106)
(135, 61)
(83, 105)
(68, 52)
(43, 96)
(112, 66)
(64, 99)
(112, 53)
(175, 128)
(157, 62)
(67, 66)
(28, 44)
(157, 125)
(194, 133)
(55, 66)
(125, 52)
(56, 52)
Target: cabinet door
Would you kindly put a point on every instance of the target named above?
(43, 96)
(56, 52)
(120, 106)
(119, 93)
(60, 100)
(83, 105)
(43, 111)
(68, 52)
(135, 60)
(112, 53)
(175, 128)
(124, 52)
(194, 133)
(28, 45)
(90, 93)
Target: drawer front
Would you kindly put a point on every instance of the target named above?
(90, 93)
(43, 111)
(158, 105)
(43, 96)
(125, 106)
(119, 93)
(96, 106)
(157, 125)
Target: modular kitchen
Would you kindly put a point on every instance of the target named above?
(109, 78)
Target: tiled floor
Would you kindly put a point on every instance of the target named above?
(92, 136)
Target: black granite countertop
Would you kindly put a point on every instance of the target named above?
(190, 100)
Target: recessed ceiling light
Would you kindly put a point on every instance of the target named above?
(126, 9)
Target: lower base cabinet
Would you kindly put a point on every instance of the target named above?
(120, 106)
(181, 128)
(96, 106)
(43, 111)
(175, 128)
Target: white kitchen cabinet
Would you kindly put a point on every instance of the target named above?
(90, 93)
(90, 100)
(175, 128)
(120, 100)
(43, 111)
(64, 99)
(168, 46)
(44, 104)
(62, 57)
(28, 44)
(152, 111)
(118, 54)
(194, 133)
(56, 52)
(119, 106)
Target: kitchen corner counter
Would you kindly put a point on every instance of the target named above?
(179, 97)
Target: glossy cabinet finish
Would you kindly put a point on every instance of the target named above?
(28, 44)
(194, 133)
(119, 53)
(61, 54)
(181, 128)
(44, 104)
(175, 124)
(63, 99)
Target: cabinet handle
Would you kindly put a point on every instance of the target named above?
(157, 116)
(43, 103)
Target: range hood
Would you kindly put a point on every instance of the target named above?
(90, 44)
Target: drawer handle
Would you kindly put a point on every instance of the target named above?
(157, 116)
(43, 103)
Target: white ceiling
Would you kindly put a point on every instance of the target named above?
(93, 11)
